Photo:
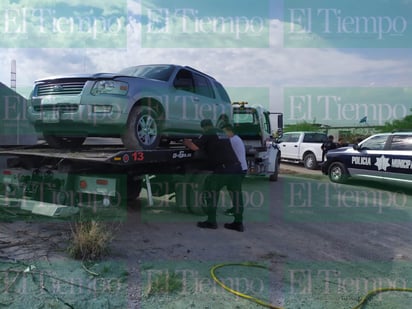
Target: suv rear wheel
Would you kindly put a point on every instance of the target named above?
(142, 129)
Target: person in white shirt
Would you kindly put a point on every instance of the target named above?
(240, 151)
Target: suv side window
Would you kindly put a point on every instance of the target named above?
(401, 142)
(203, 86)
(222, 92)
(184, 81)
(375, 143)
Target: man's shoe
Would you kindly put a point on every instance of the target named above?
(235, 226)
(207, 225)
(229, 212)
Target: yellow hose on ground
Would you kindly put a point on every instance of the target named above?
(377, 291)
(360, 305)
(254, 299)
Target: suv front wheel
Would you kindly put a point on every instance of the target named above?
(142, 129)
(338, 173)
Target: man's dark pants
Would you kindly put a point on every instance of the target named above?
(230, 177)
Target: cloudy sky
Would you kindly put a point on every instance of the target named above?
(287, 55)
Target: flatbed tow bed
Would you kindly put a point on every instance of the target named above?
(101, 153)
(54, 182)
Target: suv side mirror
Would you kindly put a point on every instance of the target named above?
(356, 147)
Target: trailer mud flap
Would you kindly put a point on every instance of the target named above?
(48, 209)
(40, 208)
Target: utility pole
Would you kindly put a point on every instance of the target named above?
(13, 75)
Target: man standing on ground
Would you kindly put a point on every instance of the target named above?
(235, 188)
(225, 166)
(326, 146)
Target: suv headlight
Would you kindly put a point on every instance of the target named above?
(109, 87)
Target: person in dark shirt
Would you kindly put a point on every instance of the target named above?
(327, 145)
(225, 166)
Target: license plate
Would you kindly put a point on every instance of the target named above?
(50, 116)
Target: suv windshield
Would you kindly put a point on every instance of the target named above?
(245, 117)
(158, 72)
(374, 143)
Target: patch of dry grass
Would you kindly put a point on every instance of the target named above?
(90, 240)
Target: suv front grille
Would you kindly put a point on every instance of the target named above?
(63, 88)
(63, 108)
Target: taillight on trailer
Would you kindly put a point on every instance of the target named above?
(83, 184)
(7, 172)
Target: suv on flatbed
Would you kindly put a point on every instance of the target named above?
(144, 105)
(384, 157)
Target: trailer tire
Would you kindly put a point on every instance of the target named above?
(56, 141)
(142, 129)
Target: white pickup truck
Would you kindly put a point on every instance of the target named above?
(302, 147)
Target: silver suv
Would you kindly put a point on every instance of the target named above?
(144, 105)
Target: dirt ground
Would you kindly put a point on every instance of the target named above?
(319, 245)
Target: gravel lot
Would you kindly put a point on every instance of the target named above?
(322, 246)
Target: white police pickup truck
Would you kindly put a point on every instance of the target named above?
(383, 157)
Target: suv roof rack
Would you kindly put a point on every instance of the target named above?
(197, 71)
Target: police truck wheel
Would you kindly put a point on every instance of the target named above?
(142, 129)
(338, 173)
(309, 161)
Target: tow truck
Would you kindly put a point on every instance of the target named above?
(253, 125)
(59, 182)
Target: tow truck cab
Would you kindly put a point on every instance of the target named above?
(253, 125)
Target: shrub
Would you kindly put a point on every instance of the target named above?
(90, 241)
